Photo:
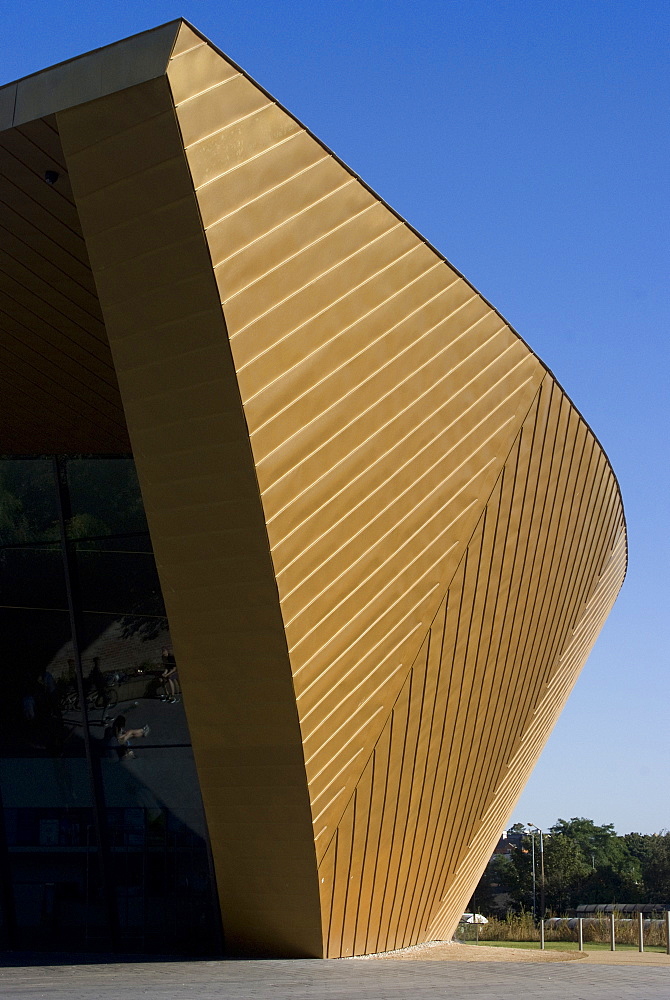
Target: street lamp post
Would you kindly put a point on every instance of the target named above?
(532, 850)
(536, 827)
(542, 876)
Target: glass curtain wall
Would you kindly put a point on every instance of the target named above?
(103, 843)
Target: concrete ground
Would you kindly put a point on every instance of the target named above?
(388, 979)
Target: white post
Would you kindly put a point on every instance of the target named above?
(542, 933)
(640, 931)
(580, 931)
(667, 931)
(612, 937)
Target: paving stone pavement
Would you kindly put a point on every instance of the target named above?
(334, 980)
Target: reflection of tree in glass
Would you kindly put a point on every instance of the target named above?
(82, 526)
(105, 499)
(106, 491)
(13, 524)
(111, 557)
(28, 510)
(114, 556)
(145, 628)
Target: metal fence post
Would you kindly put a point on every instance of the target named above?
(580, 932)
(542, 933)
(612, 936)
(640, 931)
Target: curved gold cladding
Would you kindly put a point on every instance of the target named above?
(543, 564)
(386, 539)
(402, 434)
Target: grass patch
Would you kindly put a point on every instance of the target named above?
(564, 946)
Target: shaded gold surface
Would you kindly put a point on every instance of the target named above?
(58, 389)
(386, 539)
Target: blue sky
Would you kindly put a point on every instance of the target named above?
(529, 142)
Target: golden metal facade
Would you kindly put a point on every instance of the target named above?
(386, 538)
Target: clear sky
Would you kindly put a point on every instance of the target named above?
(529, 142)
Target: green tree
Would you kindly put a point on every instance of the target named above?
(599, 844)
(584, 863)
(652, 854)
(498, 884)
(566, 871)
(517, 828)
(522, 861)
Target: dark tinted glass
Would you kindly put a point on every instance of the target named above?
(31, 560)
(92, 732)
(37, 672)
(105, 498)
(32, 576)
(52, 858)
(156, 829)
(117, 575)
(28, 502)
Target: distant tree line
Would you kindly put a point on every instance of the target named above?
(583, 863)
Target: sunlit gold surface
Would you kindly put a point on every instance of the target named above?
(386, 539)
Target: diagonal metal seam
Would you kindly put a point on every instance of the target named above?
(412, 374)
(324, 849)
(315, 280)
(285, 222)
(56, 265)
(268, 192)
(347, 329)
(544, 706)
(488, 797)
(308, 249)
(407, 511)
(320, 313)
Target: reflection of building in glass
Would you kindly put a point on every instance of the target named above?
(385, 538)
(104, 842)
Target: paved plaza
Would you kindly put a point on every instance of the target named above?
(336, 980)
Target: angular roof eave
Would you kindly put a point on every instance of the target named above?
(114, 67)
